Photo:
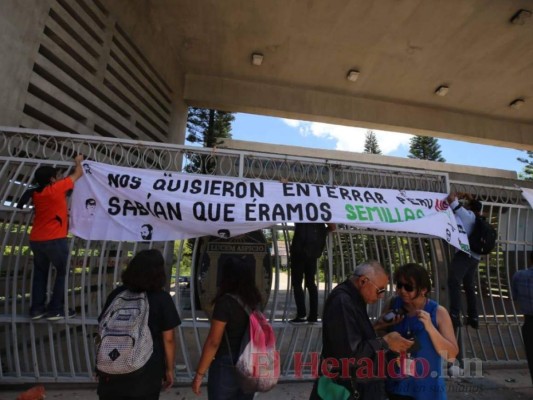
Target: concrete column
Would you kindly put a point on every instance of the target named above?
(21, 26)
(178, 120)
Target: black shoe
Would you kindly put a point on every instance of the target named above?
(36, 314)
(312, 321)
(473, 322)
(298, 321)
(56, 316)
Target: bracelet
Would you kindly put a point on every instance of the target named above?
(384, 344)
(199, 373)
(457, 207)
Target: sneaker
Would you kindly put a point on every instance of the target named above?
(473, 322)
(60, 315)
(298, 321)
(455, 371)
(312, 321)
(36, 314)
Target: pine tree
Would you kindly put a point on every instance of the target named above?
(371, 143)
(207, 127)
(528, 169)
(425, 148)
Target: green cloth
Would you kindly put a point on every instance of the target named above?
(329, 390)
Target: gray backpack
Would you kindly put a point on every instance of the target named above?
(125, 344)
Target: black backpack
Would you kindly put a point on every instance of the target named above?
(483, 238)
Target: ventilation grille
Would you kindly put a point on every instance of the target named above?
(89, 78)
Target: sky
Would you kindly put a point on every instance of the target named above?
(318, 135)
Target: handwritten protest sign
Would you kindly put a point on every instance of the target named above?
(119, 203)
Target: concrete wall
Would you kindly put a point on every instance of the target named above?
(73, 67)
(21, 25)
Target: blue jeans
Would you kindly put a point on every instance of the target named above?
(462, 270)
(222, 383)
(46, 252)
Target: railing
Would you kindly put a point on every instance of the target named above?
(64, 351)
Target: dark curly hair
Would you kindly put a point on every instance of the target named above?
(412, 272)
(238, 279)
(145, 272)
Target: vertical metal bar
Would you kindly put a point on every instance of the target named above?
(287, 288)
(193, 303)
(274, 303)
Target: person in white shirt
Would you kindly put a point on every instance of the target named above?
(463, 268)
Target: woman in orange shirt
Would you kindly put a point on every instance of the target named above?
(48, 238)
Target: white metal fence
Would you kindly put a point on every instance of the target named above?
(64, 351)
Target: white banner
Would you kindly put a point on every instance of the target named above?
(528, 195)
(118, 203)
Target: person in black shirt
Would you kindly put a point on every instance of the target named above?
(348, 334)
(228, 324)
(146, 273)
(306, 248)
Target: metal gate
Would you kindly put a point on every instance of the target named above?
(64, 351)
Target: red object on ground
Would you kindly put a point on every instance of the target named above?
(34, 393)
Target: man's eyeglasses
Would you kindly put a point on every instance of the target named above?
(379, 291)
(406, 286)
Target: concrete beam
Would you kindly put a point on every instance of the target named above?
(370, 159)
(314, 105)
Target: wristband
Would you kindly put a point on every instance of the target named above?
(384, 344)
(199, 373)
(457, 207)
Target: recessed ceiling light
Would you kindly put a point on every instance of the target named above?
(521, 17)
(517, 104)
(442, 90)
(352, 75)
(257, 59)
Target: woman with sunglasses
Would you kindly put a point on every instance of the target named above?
(418, 374)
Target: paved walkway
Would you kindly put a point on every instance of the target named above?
(496, 384)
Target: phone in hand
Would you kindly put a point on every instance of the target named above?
(393, 314)
(416, 344)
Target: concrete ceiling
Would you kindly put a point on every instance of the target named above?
(403, 49)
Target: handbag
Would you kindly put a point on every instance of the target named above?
(327, 389)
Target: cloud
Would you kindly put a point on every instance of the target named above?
(292, 122)
(348, 138)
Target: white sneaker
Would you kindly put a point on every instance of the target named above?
(455, 371)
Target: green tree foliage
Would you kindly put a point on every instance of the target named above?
(206, 127)
(425, 148)
(371, 143)
(186, 257)
(528, 169)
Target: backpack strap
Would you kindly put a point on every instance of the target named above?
(246, 309)
(229, 346)
(241, 303)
